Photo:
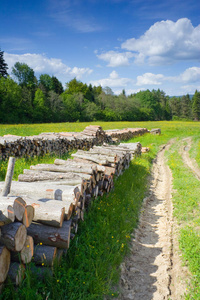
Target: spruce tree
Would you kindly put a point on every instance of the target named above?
(196, 106)
(3, 66)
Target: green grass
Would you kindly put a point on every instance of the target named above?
(187, 212)
(91, 267)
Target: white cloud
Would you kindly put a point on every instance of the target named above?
(149, 78)
(166, 42)
(190, 75)
(116, 59)
(112, 81)
(41, 64)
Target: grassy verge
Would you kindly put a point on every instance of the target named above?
(91, 267)
(187, 211)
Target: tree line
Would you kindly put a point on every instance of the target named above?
(26, 99)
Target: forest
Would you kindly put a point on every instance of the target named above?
(24, 98)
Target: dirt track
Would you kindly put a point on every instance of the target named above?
(153, 270)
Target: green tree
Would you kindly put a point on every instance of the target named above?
(56, 85)
(3, 65)
(186, 106)
(24, 74)
(196, 106)
(40, 112)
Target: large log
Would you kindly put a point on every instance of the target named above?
(13, 236)
(9, 175)
(63, 169)
(49, 212)
(26, 254)
(4, 263)
(44, 255)
(16, 273)
(18, 205)
(51, 236)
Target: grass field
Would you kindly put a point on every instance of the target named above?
(90, 269)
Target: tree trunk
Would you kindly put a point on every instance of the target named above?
(51, 236)
(13, 236)
(4, 263)
(7, 214)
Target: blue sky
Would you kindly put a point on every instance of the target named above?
(124, 44)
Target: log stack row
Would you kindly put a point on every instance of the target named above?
(60, 143)
(51, 199)
(126, 133)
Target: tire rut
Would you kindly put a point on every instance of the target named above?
(149, 272)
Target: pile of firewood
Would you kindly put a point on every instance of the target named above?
(61, 143)
(126, 133)
(49, 200)
(58, 143)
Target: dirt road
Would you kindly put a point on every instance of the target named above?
(153, 270)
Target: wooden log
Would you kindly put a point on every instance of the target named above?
(99, 159)
(18, 205)
(4, 263)
(44, 255)
(13, 236)
(41, 272)
(9, 175)
(50, 236)
(16, 273)
(49, 212)
(26, 254)
(7, 214)
(63, 169)
(28, 215)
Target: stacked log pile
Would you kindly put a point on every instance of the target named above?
(126, 133)
(60, 143)
(44, 206)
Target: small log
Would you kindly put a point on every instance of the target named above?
(28, 215)
(13, 236)
(4, 263)
(44, 255)
(26, 254)
(7, 214)
(16, 273)
(50, 236)
(63, 169)
(18, 205)
(9, 175)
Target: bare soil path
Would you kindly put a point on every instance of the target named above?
(153, 270)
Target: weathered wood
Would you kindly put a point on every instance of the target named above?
(28, 215)
(13, 236)
(7, 214)
(4, 263)
(18, 205)
(50, 212)
(16, 273)
(63, 169)
(26, 254)
(51, 236)
(44, 255)
(9, 175)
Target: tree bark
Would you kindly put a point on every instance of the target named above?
(26, 254)
(13, 236)
(44, 255)
(51, 236)
(7, 214)
(16, 273)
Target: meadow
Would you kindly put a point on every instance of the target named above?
(90, 269)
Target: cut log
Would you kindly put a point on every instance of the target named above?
(28, 215)
(13, 236)
(7, 214)
(18, 205)
(50, 236)
(41, 272)
(49, 212)
(44, 255)
(9, 175)
(4, 263)
(63, 169)
(16, 273)
(26, 254)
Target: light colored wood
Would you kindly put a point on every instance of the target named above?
(7, 214)
(51, 236)
(63, 169)
(13, 236)
(44, 255)
(4, 263)
(28, 215)
(9, 175)
(26, 254)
